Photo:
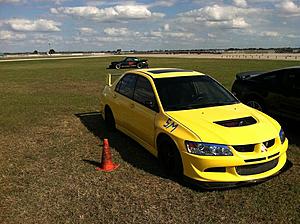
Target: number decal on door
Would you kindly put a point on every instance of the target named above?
(170, 124)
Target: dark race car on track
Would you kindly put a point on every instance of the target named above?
(275, 92)
(129, 62)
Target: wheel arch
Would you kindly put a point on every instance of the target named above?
(163, 137)
(109, 118)
(176, 169)
(257, 97)
(107, 108)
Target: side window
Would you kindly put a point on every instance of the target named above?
(126, 85)
(144, 94)
(272, 79)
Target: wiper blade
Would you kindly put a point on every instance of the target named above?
(194, 106)
(197, 105)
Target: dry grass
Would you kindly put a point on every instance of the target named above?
(50, 142)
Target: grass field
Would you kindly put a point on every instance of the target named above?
(50, 141)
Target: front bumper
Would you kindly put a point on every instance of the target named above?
(234, 170)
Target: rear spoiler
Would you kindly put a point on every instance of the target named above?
(247, 75)
(109, 77)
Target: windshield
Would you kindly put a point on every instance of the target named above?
(191, 92)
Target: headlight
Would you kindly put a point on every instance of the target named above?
(282, 136)
(207, 149)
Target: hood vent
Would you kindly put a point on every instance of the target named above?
(239, 122)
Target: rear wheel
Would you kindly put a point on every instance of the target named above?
(139, 65)
(118, 66)
(170, 159)
(109, 119)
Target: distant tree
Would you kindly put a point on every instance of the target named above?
(51, 51)
(35, 52)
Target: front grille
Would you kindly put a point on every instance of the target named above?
(256, 168)
(244, 148)
(250, 147)
(269, 143)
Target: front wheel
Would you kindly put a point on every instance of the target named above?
(118, 66)
(170, 159)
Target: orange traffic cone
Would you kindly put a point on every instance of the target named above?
(107, 163)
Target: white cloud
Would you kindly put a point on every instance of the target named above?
(270, 34)
(45, 38)
(219, 13)
(289, 7)
(12, 1)
(112, 31)
(240, 3)
(108, 39)
(86, 30)
(237, 23)
(211, 35)
(222, 16)
(59, 2)
(121, 32)
(157, 15)
(40, 25)
(132, 11)
(6, 35)
(163, 3)
(293, 36)
(166, 35)
(166, 27)
(118, 12)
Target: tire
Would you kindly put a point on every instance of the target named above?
(256, 103)
(170, 159)
(139, 65)
(118, 66)
(109, 119)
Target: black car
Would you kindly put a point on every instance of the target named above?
(129, 62)
(275, 92)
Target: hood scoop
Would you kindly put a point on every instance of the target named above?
(239, 122)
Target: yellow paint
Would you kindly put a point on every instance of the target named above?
(144, 125)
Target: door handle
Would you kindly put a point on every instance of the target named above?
(132, 105)
(114, 96)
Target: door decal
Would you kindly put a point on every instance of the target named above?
(170, 124)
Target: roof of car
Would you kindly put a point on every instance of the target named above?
(167, 72)
(252, 74)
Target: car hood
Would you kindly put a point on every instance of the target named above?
(202, 123)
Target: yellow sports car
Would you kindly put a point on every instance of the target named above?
(196, 128)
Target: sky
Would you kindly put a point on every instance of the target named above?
(91, 25)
